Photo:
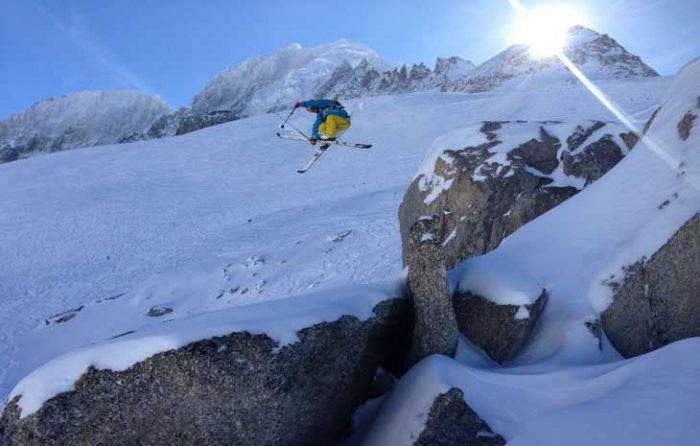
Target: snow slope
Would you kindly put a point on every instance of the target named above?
(83, 119)
(197, 225)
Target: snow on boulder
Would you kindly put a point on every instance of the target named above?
(630, 239)
(598, 56)
(657, 301)
(246, 375)
(493, 177)
(83, 119)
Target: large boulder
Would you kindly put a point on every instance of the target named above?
(658, 301)
(503, 176)
(237, 389)
(500, 330)
(452, 422)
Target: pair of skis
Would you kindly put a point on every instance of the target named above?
(325, 144)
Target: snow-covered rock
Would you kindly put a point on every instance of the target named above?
(238, 387)
(81, 119)
(596, 55)
(493, 177)
(588, 247)
(658, 301)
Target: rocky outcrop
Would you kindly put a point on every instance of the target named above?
(491, 189)
(237, 389)
(595, 161)
(452, 422)
(435, 328)
(658, 301)
(8, 154)
(347, 82)
(197, 121)
(500, 330)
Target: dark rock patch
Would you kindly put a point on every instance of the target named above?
(630, 138)
(593, 162)
(540, 154)
(452, 422)
(495, 328)
(581, 134)
(685, 126)
(8, 154)
(159, 311)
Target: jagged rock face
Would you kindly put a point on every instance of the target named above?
(435, 330)
(82, 119)
(452, 422)
(490, 189)
(500, 330)
(597, 56)
(365, 80)
(236, 389)
(658, 301)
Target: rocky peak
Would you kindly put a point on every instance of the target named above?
(597, 55)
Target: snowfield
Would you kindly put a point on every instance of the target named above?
(101, 246)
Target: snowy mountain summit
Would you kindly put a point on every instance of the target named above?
(83, 119)
(598, 56)
(262, 84)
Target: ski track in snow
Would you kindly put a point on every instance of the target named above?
(88, 224)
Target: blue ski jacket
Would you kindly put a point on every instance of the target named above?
(325, 108)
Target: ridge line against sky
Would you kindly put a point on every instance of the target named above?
(173, 48)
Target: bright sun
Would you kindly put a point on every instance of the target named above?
(544, 29)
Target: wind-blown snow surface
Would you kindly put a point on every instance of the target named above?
(83, 119)
(219, 218)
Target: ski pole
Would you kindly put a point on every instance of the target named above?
(289, 116)
(298, 131)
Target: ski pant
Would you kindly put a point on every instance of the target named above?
(333, 124)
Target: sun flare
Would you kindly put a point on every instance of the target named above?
(544, 29)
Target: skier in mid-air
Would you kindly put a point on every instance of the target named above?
(331, 118)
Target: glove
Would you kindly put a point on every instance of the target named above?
(312, 142)
(298, 104)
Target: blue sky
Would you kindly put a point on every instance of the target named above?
(173, 47)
